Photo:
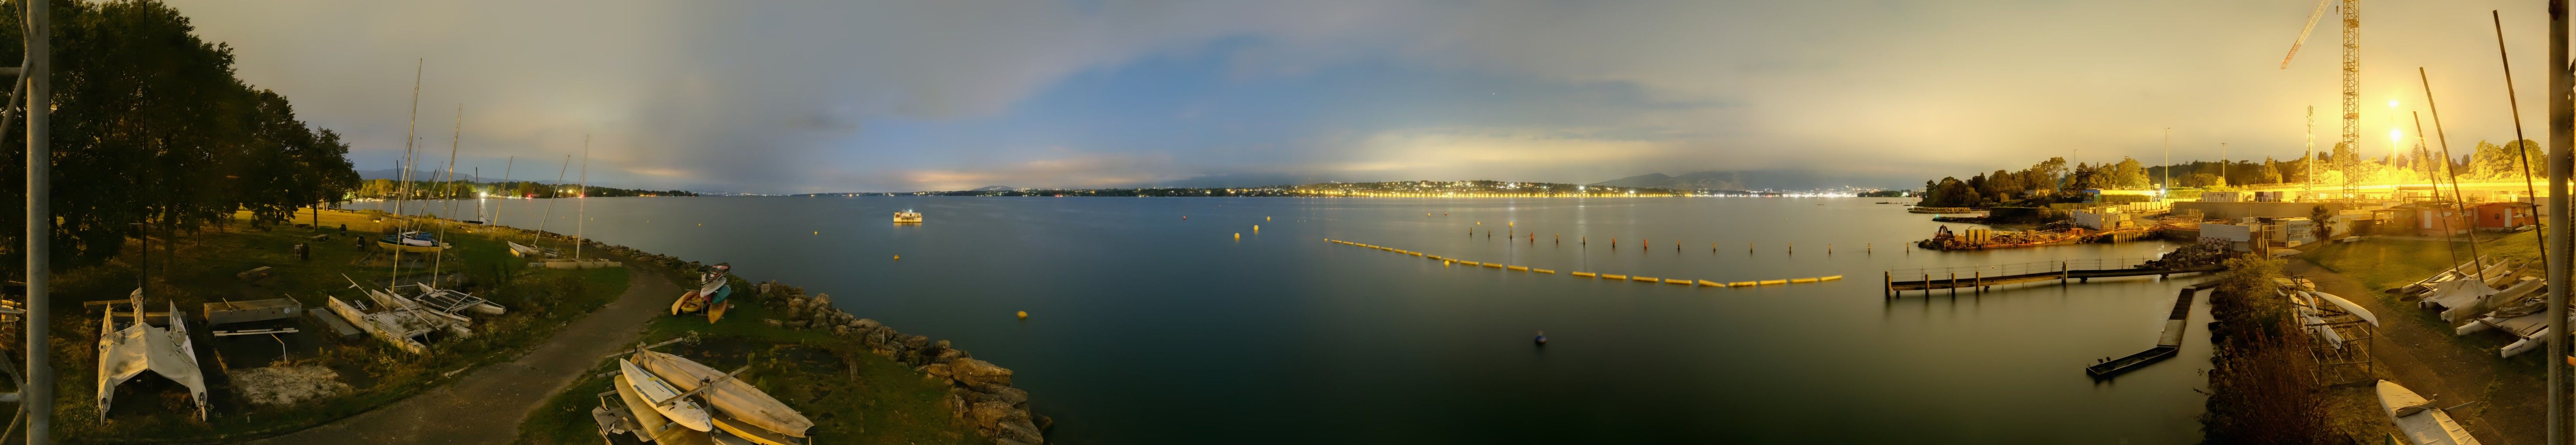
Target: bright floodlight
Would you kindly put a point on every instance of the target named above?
(2392, 104)
(2394, 137)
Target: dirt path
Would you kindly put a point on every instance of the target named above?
(2413, 352)
(486, 406)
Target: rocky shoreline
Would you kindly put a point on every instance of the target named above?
(979, 393)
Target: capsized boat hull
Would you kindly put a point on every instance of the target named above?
(654, 389)
(651, 420)
(2418, 420)
(732, 397)
(688, 302)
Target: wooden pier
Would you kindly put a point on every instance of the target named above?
(1980, 278)
(2167, 343)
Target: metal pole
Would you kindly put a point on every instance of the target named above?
(2459, 201)
(2521, 149)
(581, 207)
(39, 400)
(2562, 134)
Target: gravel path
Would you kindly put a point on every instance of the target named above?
(487, 404)
(2426, 359)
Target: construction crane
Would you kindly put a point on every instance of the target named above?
(2351, 65)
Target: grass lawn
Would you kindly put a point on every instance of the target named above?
(852, 396)
(2381, 264)
(200, 268)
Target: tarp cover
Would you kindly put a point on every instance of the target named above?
(2465, 292)
(2414, 416)
(125, 353)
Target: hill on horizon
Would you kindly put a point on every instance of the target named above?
(1772, 179)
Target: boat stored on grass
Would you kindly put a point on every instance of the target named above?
(2418, 419)
(664, 398)
(713, 288)
(412, 241)
(127, 349)
(751, 412)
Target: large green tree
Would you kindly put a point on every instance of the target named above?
(151, 128)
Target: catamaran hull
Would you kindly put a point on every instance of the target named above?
(653, 388)
(411, 248)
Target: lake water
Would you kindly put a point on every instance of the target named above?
(1147, 328)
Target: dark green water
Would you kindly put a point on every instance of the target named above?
(1147, 328)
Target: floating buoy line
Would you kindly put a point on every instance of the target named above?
(1446, 261)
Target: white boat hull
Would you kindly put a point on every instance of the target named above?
(683, 412)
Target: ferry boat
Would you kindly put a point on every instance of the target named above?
(907, 217)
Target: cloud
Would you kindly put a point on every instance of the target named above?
(787, 95)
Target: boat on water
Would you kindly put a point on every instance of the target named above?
(740, 408)
(907, 217)
(2418, 419)
(709, 297)
(412, 241)
(665, 398)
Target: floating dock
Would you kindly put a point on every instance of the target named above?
(1980, 278)
(2167, 343)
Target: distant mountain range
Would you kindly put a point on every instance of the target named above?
(1784, 180)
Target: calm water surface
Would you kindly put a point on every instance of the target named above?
(1148, 328)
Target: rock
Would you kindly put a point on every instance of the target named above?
(773, 322)
(936, 370)
(865, 323)
(797, 325)
(948, 355)
(1044, 423)
(979, 374)
(916, 342)
(991, 415)
(942, 344)
(1018, 430)
(1017, 398)
(957, 407)
(1010, 442)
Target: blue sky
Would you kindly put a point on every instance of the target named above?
(815, 96)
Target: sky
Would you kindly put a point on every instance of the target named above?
(802, 96)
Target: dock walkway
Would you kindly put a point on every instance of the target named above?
(2167, 343)
(1980, 278)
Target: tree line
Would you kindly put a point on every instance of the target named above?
(2053, 181)
(152, 131)
(389, 189)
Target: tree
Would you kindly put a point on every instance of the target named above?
(151, 127)
(2348, 161)
(2129, 175)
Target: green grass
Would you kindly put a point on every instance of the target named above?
(202, 270)
(852, 395)
(2381, 264)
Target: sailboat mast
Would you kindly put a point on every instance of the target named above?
(554, 191)
(505, 182)
(411, 131)
(448, 187)
(581, 208)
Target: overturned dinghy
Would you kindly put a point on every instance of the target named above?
(740, 409)
(127, 349)
(2421, 421)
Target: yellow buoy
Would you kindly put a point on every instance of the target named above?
(898, 257)
(702, 224)
(1238, 235)
(1024, 315)
(818, 232)
(1256, 227)
(1265, 218)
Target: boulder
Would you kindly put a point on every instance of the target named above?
(1019, 430)
(865, 323)
(916, 342)
(1043, 423)
(991, 415)
(936, 370)
(773, 322)
(979, 374)
(957, 407)
(797, 325)
(1017, 398)
(948, 355)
